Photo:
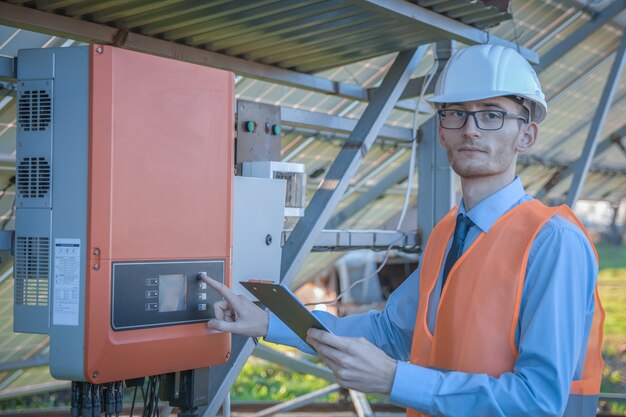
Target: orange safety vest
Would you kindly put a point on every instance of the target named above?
(480, 304)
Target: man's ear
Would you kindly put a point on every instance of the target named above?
(442, 141)
(528, 136)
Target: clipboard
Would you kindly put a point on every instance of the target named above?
(282, 302)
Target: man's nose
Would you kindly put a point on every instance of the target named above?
(470, 127)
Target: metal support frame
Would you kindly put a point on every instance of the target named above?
(436, 181)
(40, 360)
(449, 28)
(578, 128)
(583, 164)
(345, 166)
(321, 206)
(413, 89)
(359, 239)
(298, 402)
(361, 405)
(397, 175)
(34, 389)
(43, 22)
(8, 71)
(568, 170)
(298, 365)
(583, 73)
(580, 34)
(309, 119)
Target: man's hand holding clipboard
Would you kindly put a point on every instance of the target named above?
(355, 362)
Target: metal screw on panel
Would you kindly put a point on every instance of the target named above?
(99, 50)
(96, 267)
(95, 375)
(227, 355)
(96, 251)
(268, 240)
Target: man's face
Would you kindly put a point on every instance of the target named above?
(477, 153)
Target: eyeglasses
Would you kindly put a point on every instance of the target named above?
(484, 119)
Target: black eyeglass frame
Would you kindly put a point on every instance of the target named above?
(473, 114)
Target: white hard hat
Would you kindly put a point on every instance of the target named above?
(482, 71)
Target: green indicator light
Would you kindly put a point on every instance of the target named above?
(249, 126)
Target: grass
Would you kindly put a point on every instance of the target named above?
(612, 288)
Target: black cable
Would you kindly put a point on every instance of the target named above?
(156, 396)
(148, 399)
(132, 407)
(119, 398)
(143, 396)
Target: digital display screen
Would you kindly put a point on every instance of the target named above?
(172, 293)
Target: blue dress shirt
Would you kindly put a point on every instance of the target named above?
(555, 318)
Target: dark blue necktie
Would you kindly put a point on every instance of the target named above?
(463, 224)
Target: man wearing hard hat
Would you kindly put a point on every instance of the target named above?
(502, 316)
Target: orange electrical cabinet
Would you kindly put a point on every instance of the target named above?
(139, 202)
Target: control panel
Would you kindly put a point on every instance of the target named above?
(154, 294)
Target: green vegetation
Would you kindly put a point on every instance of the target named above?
(264, 381)
(611, 257)
(612, 288)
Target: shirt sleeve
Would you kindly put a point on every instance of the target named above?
(390, 329)
(556, 313)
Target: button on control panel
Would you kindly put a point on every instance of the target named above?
(153, 294)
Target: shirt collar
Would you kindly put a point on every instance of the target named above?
(489, 210)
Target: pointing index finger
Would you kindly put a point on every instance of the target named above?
(220, 288)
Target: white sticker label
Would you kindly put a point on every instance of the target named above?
(66, 282)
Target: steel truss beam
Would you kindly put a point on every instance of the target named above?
(298, 402)
(397, 175)
(298, 365)
(62, 26)
(40, 360)
(35, 389)
(359, 239)
(321, 206)
(343, 169)
(589, 150)
(308, 119)
(580, 34)
(568, 169)
(436, 181)
(7, 69)
(449, 28)
(362, 407)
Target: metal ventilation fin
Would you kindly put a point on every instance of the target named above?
(34, 110)
(33, 177)
(32, 266)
